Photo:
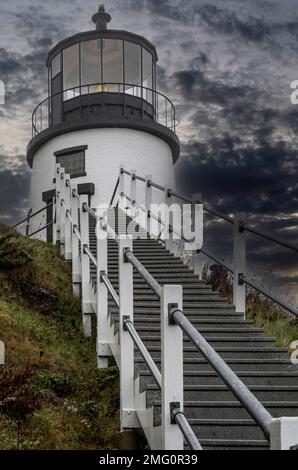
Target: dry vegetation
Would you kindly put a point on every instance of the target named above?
(275, 321)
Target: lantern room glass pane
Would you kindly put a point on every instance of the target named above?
(132, 70)
(147, 74)
(112, 64)
(90, 64)
(56, 65)
(71, 72)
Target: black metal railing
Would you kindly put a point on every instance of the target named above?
(162, 110)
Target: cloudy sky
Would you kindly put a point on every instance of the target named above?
(226, 64)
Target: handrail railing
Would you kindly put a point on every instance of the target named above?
(239, 244)
(40, 229)
(163, 109)
(90, 255)
(254, 407)
(89, 210)
(245, 226)
(104, 278)
(33, 215)
(74, 213)
(115, 191)
(144, 352)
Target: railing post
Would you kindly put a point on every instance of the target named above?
(86, 287)
(197, 256)
(28, 222)
(284, 433)
(58, 204)
(62, 212)
(239, 264)
(133, 193)
(67, 234)
(127, 403)
(148, 201)
(169, 241)
(102, 343)
(171, 367)
(121, 187)
(76, 266)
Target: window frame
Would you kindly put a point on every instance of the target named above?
(73, 151)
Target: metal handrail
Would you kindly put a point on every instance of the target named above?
(104, 278)
(90, 255)
(186, 429)
(128, 324)
(115, 191)
(254, 407)
(76, 231)
(244, 226)
(32, 215)
(148, 278)
(246, 280)
(158, 219)
(76, 194)
(79, 91)
(40, 229)
(216, 260)
(88, 209)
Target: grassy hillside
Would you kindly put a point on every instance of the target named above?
(52, 396)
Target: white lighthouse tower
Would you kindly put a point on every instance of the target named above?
(102, 111)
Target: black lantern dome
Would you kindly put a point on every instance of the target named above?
(103, 78)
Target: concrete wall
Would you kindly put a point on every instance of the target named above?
(107, 150)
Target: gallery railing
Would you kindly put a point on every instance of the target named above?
(159, 108)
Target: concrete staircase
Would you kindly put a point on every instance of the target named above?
(218, 419)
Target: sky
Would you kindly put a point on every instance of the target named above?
(226, 64)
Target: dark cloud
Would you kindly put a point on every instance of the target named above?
(227, 22)
(14, 189)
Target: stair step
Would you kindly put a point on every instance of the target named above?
(216, 342)
(221, 392)
(236, 363)
(199, 377)
(229, 352)
(233, 409)
(233, 444)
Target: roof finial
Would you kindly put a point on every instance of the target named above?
(101, 18)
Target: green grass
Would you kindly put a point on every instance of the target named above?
(52, 396)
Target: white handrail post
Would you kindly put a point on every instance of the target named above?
(171, 367)
(67, 235)
(62, 212)
(86, 286)
(198, 260)
(148, 201)
(133, 193)
(169, 241)
(102, 343)
(127, 403)
(76, 266)
(284, 433)
(239, 264)
(58, 205)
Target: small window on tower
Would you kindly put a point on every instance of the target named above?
(73, 161)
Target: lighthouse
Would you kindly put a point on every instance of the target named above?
(103, 110)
